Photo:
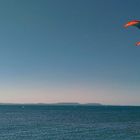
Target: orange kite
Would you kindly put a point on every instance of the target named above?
(135, 23)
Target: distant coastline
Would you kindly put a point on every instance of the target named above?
(64, 104)
(59, 103)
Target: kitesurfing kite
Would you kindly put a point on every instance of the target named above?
(135, 23)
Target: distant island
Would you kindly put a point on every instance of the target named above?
(59, 103)
(89, 104)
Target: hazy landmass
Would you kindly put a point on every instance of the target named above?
(59, 103)
(90, 104)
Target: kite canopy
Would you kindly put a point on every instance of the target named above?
(138, 43)
(133, 23)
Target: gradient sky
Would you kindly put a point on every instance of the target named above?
(69, 51)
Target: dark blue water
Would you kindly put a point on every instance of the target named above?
(69, 123)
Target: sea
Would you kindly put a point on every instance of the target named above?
(69, 122)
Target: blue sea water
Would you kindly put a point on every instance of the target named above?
(34, 122)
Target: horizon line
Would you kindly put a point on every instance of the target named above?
(69, 104)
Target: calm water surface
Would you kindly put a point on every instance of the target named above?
(69, 122)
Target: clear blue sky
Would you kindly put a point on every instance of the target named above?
(69, 51)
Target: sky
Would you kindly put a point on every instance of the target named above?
(69, 51)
